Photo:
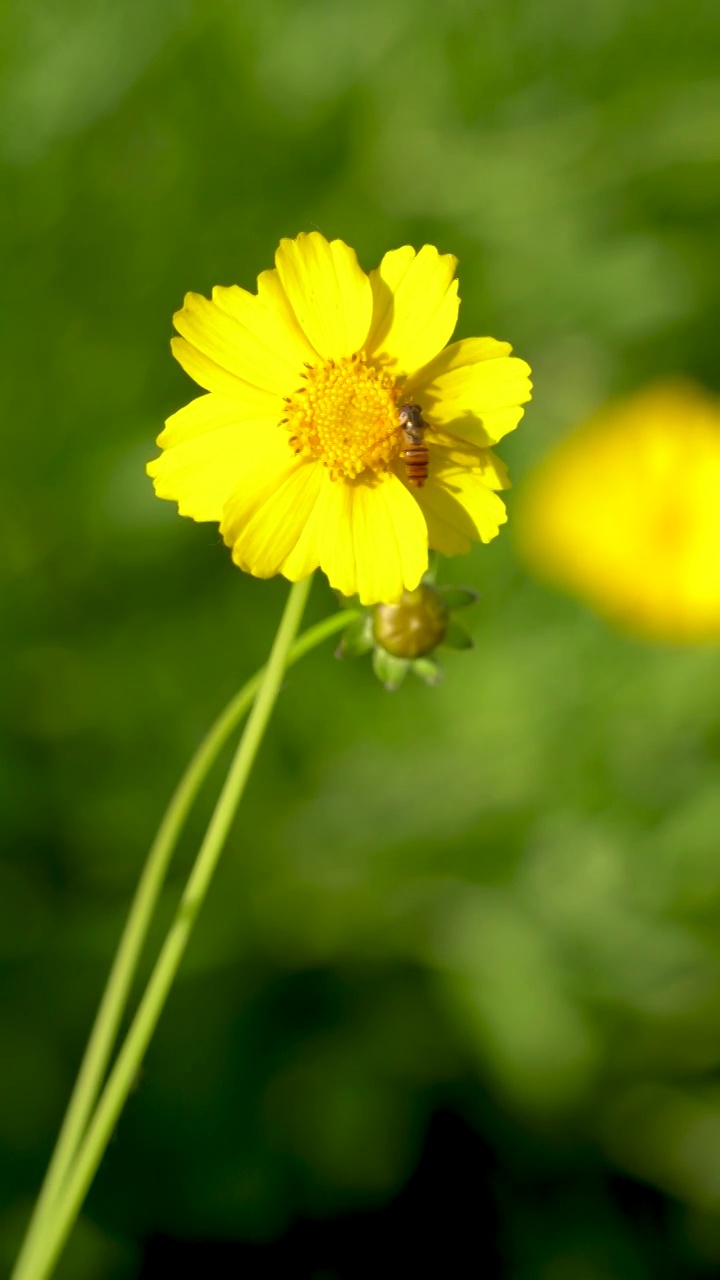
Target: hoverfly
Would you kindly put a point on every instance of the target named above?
(416, 453)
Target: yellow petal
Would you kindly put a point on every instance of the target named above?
(207, 445)
(442, 536)
(448, 453)
(270, 320)
(243, 335)
(415, 306)
(328, 292)
(211, 377)
(269, 513)
(369, 538)
(274, 297)
(211, 411)
(460, 497)
(474, 389)
(372, 537)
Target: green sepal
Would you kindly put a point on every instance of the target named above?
(357, 639)
(345, 602)
(431, 572)
(390, 671)
(428, 670)
(456, 637)
(458, 597)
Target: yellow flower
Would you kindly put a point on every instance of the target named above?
(297, 449)
(626, 513)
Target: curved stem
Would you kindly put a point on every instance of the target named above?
(116, 992)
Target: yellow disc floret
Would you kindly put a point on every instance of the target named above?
(346, 415)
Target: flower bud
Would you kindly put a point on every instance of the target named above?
(414, 626)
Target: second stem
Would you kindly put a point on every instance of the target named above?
(41, 1263)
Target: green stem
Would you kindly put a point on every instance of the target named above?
(58, 1205)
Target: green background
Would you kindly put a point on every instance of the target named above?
(500, 897)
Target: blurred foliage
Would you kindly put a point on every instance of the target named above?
(503, 895)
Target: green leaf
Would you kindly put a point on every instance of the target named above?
(390, 671)
(458, 597)
(456, 637)
(357, 639)
(428, 670)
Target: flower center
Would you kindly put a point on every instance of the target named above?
(346, 416)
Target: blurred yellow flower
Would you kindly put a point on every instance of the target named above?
(626, 513)
(298, 447)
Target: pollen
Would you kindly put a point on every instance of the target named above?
(346, 415)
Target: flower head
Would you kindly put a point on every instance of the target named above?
(626, 514)
(299, 447)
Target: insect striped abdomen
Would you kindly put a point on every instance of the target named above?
(416, 452)
(417, 461)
